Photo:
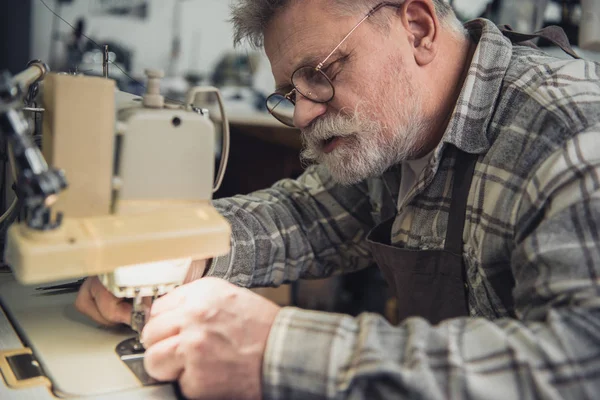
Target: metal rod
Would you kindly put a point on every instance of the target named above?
(28, 77)
(138, 319)
(105, 61)
(34, 109)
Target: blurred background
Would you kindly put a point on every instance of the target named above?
(191, 40)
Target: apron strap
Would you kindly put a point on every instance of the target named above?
(463, 175)
(503, 282)
(553, 33)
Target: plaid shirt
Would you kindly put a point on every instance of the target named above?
(533, 220)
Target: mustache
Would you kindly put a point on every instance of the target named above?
(334, 126)
(338, 125)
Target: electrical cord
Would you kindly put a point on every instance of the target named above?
(11, 160)
(11, 210)
(4, 160)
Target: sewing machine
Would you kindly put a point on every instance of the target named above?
(132, 206)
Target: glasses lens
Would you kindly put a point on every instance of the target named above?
(281, 108)
(313, 84)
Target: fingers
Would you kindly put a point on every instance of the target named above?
(164, 361)
(95, 301)
(204, 288)
(168, 302)
(199, 335)
(110, 307)
(192, 387)
(162, 327)
(86, 304)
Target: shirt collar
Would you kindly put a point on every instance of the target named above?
(477, 101)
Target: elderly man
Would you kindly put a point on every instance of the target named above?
(466, 166)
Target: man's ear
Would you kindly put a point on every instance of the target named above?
(421, 24)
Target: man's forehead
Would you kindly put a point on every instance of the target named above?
(294, 42)
(302, 35)
(303, 56)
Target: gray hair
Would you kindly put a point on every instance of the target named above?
(251, 17)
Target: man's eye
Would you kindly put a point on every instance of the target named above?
(329, 71)
(335, 68)
(332, 70)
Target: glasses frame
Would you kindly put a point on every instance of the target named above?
(319, 66)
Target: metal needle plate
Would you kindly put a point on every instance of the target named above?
(132, 354)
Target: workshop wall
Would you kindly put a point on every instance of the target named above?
(202, 25)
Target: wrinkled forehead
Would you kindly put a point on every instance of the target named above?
(303, 33)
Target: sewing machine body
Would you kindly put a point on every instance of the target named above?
(140, 185)
(137, 212)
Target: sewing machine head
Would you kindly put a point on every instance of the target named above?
(140, 180)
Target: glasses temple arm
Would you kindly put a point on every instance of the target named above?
(318, 68)
(377, 7)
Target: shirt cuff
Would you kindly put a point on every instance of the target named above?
(220, 266)
(305, 352)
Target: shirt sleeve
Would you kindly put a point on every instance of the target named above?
(304, 228)
(551, 350)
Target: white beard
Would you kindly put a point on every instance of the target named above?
(367, 149)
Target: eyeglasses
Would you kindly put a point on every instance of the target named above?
(312, 82)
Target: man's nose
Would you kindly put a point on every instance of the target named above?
(306, 111)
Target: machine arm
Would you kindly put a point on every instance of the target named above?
(37, 185)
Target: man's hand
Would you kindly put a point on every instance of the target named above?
(95, 301)
(210, 336)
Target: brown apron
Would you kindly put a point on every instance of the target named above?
(553, 34)
(432, 284)
(429, 283)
